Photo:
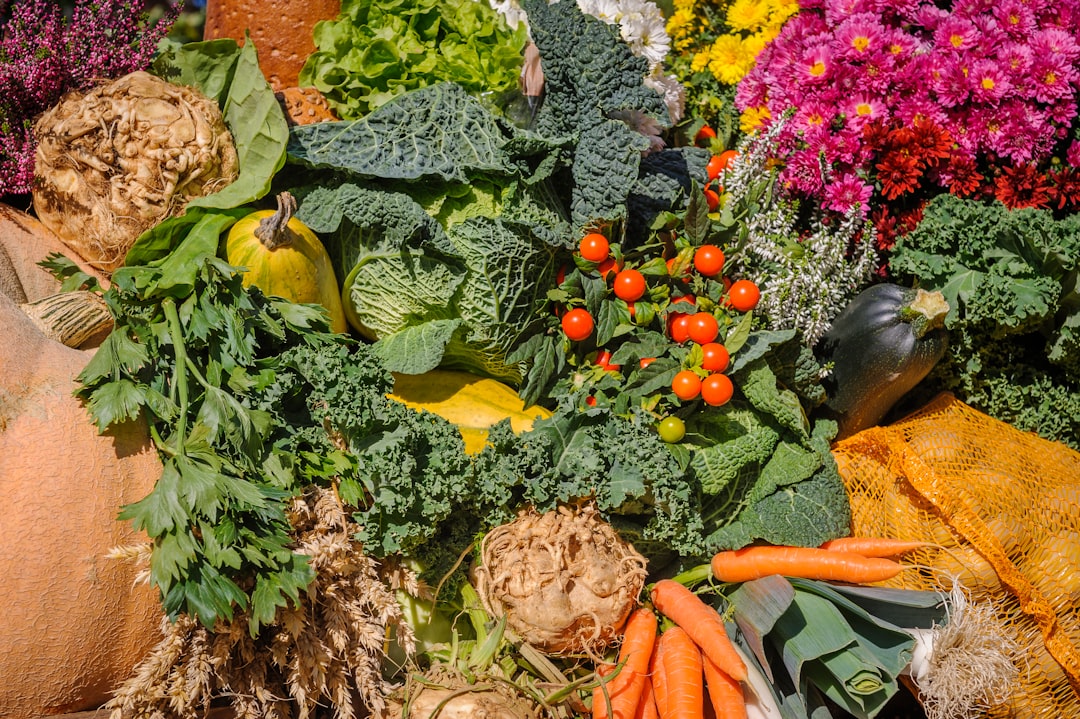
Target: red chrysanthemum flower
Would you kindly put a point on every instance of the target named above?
(1066, 189)
(934, 142)
(961, 175)
(898, 173)
(1022, 186)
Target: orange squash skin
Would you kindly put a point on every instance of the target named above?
(74, 624)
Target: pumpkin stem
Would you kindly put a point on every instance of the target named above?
(925, 312)
(274, 231)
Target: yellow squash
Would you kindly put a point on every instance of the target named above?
(286, 259)
(473, 403)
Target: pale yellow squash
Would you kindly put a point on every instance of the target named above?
(472, 403)
(284, 258)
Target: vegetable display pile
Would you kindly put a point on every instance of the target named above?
(469, 403)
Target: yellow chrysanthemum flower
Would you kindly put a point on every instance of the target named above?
(780, 11)
(747, 15)
(680, 25)
(700, 61)
(754, 44)
(752, 118)
(727, 59)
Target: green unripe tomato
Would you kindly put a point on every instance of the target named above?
(671, 429)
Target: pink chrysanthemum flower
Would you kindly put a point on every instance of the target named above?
(956, 34)
(861, 109)
(950, 82)
(1015, 19)
(805, 172)
(1051, 78)
(847, 192)
(1055, 42)
(816, 63)
(814, 116)
(1072, 155)
(861, 36)
(988, 81)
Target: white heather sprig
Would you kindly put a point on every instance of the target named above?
(806, 277)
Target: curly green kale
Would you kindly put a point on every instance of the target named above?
(594, 93)
(571, 456)
(754, 469)
(1011, 280)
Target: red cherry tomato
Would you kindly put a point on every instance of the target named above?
(594, 247)
(726, 158)
(607, 267)
(714, 357)
(703, 328)
(714, 167)
(689, 298)
(603, 360)
(679, 329)
(709, 260)
(716, 389)
(671, 270)
(590, 400)
(646, 361)
(712, 199)
(686, 385)
(560, 276)
(629, 285)
(743, 295)
(577, 324)
(704, 135)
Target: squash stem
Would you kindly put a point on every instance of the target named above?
(926, 312)
(274, 231)
(168, 305)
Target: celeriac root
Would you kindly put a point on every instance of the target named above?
(565, 580)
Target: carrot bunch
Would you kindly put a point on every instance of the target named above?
(670, 675)
(854, 560)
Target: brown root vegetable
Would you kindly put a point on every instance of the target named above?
(121, 157)
(75, 319)
(446, 693)
(565, 580)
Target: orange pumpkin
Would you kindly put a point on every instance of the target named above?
(282, 31)
(74, 622)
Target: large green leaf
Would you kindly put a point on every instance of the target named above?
(434, 132)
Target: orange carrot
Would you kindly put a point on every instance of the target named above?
(646, 708)
(748, 563)
(725, 694)
(701, 622)
(657, 678)
(682, 675)
(873, 546)
(624, 691)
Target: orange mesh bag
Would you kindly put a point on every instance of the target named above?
(1001, 509)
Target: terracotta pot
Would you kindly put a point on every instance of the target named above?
(280, 29)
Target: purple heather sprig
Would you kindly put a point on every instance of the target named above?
(44, 55)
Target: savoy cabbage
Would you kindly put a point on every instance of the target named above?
(446, 222)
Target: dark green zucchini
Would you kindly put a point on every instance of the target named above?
(879, 347)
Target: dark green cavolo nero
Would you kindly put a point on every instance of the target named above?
(879, 347)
